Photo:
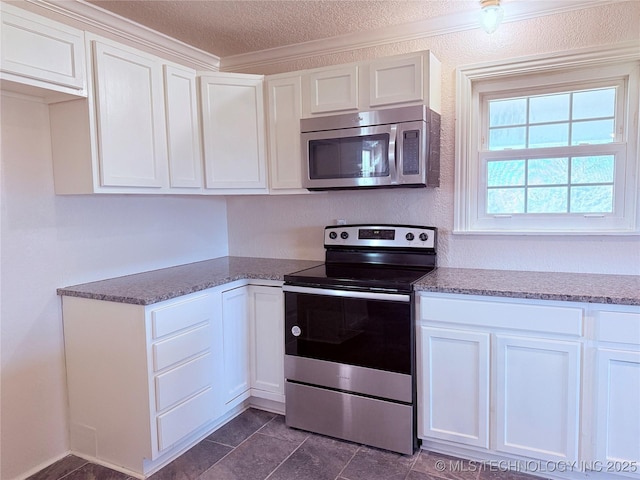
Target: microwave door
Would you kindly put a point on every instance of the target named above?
(349, 158)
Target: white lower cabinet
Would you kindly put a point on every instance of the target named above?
(617, 390)
(147, 382)
(142, 380)
(266, 316)
(235, 345)
(501, 377)
(454, 410)
(537, 397)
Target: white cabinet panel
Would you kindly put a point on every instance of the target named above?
(334, 89)
(130, 115)
(233, 130)
(40, 52)
(267, 331)
(180, 314)
(396, 81)
(285, 111)
(537, 397)
(454, 385)
(185, 418)
(183, 127)
(183, 381)
(618, 406)
(235, 332)
(180, 347)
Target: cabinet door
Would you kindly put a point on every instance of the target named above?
(235, 334)
(36, 49)
(266, 314)
(131, 120)
(537, 397)
(334, 89)
(394, 81)
(285, 111)
(233, 130)
(183, 134)
(618, 402)
(453, 385)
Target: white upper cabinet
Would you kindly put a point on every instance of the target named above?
(283, 130)
(131, 121)
(400, 80)
(333, 89)
(138, 130)
(405, 79)
(233, 132)
(38, 53)
(183, 127)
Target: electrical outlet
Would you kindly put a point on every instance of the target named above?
(341, 221)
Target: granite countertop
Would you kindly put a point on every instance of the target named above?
(570, 287)
(159, 285)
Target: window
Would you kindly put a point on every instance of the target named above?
(549, 145)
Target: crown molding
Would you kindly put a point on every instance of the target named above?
(97, 20)
(441, 25)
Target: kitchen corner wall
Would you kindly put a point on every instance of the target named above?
(291, 226)
(51, 241)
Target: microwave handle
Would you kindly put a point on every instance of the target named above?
(393, 154)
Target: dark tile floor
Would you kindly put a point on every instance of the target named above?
(257, 445)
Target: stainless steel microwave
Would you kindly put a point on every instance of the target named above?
(396, 147)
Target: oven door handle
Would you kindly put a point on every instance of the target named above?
(389, 297)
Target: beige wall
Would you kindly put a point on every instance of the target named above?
(292, 226)
(51, 241)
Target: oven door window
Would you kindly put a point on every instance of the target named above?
(367, 333)
(349, 157)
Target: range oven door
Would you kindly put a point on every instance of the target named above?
(348, 366)
(350, 340)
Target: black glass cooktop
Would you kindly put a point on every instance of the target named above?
(358, 276)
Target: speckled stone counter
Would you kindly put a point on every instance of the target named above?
(158, 285)
(570, 287)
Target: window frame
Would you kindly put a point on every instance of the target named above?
(576, 70)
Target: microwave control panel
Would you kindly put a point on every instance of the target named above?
(411, 152)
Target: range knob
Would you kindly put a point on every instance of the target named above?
(333, 235)
(424, 237)
(344, 235)
(409, 236)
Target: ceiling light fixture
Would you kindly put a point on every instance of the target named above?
(491, 15)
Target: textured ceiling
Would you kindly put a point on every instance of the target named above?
(227, 28)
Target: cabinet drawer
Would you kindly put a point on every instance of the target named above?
(619, 327)
(185, 418)
(183, 381)
(496, 314)
(185, 345)
(169, 319)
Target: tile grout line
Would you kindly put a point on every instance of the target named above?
(347, 464)
(75, 469)
(288, 456)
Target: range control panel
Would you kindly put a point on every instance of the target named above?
(376, 236)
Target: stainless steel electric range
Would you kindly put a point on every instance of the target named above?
(349, 335)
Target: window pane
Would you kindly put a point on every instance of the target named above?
(505, 173)
(505, 201)
(500, 138)
(598, 169)
(594, 103)
(548, 171)
(556, 135)
(596, 131)
(549, 108)
(507, 112)
(547, 200)
(592, 199)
